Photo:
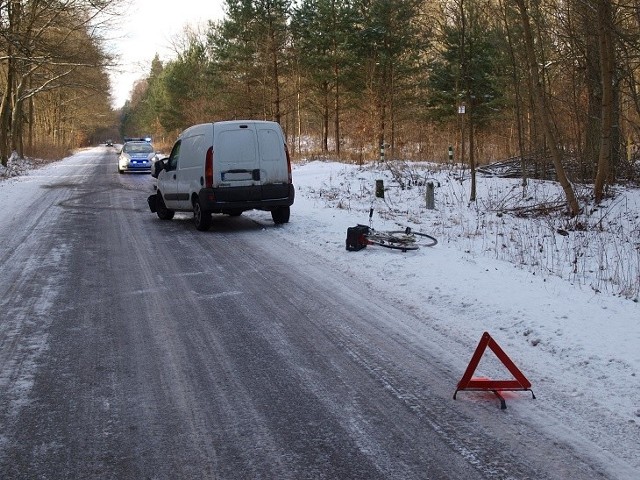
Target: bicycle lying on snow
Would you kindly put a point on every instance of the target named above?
(360, 236)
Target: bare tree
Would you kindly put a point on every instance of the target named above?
(544, 111)
(46, 46)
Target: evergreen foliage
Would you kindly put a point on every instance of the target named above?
(350, 76)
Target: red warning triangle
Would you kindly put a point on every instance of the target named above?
(520, 382)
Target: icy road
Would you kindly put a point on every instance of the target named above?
(135, 348)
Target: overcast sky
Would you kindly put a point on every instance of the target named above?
(148, 27)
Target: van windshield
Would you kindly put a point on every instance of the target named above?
(138, 148)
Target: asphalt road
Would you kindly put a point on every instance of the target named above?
(135, 348)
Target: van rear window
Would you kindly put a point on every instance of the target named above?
(236, 146)
(271, 145)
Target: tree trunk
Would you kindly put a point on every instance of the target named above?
(5, 116)
(606, 73)
(381, 129)
(16, 128)
(13, 15)
(276, 71)
(472, 156)
(325, 117)
(336, 120)
(594, 111)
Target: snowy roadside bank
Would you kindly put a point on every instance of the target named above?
(579, 348)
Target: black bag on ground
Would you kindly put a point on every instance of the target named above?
(356, 239)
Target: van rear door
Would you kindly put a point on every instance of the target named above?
(272, 156)
(236, 162)
(273, 161)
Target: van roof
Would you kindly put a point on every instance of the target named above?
(228, 122)
(243, 121)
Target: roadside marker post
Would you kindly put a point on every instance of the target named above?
(468, 382)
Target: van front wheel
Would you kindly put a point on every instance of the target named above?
(201, 218)
(161, 209)
(280, 215)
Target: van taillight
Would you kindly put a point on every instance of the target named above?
(286, 150)
(208, 169)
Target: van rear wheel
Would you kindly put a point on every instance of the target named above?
(201, 218)
(280, 215)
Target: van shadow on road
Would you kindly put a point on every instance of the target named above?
(221, 223)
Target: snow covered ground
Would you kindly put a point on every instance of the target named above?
(563, 306)
(559, 295)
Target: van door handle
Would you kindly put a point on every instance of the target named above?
(174, 176)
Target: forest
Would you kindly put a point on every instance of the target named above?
(549, 85)
(54, 84)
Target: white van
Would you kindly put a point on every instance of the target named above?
(225, 167)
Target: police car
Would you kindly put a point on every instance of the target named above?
(136, 155)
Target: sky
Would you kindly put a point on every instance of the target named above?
(147, 28)
(573, 336)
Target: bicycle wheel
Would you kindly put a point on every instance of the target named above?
(408, 235)
(431, 240)
(393, 240)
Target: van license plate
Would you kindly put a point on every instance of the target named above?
(236, 176)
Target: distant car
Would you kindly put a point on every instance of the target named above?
(136, 156)
(109, 143)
